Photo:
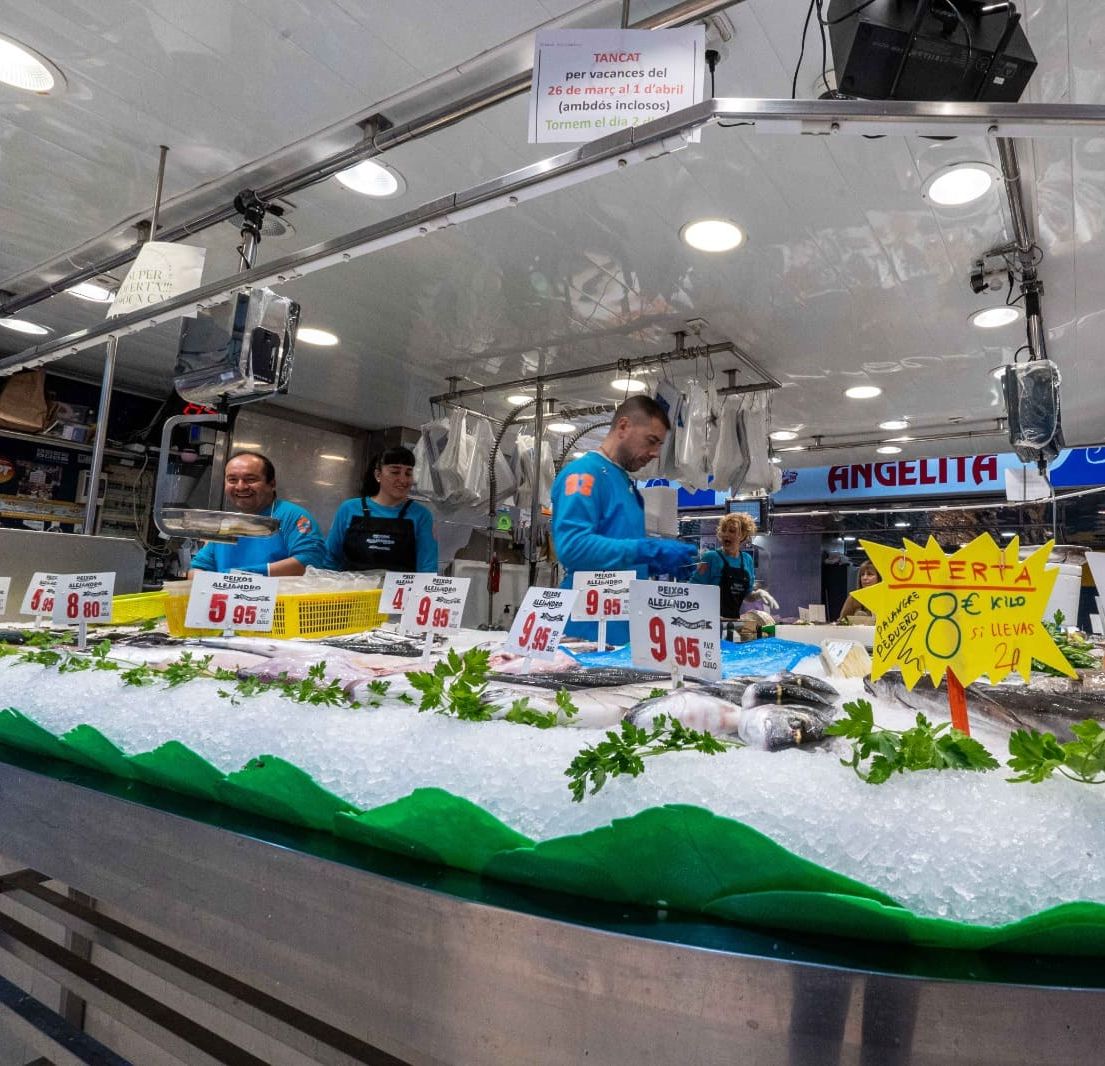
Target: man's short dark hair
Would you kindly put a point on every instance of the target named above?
(266, 464)
(641, 409)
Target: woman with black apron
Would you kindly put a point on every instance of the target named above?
(384, 529)
(726, 566)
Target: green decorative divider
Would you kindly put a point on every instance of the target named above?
(679, 857)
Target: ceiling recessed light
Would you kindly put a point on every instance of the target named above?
(783, 434)
(519, 398)
(863, 392)
(560, 427)
(776, 459)
(24, 68)
(712, 235)
(898, 440)
(313, 335)
(959, 183)
(894, 423)
(335, 458)
(1007, 533)
(18, 325)
(629, 385)
(847, 538)
(372, 179)
(993, 317)
(87, 290)
(901, 525)
(888, 449)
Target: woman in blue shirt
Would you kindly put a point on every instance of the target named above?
(727, 566)
(384, 529)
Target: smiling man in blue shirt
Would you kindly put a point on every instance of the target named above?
(598, 516)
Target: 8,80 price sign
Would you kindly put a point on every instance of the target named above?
(434, 604)
(675, 627)
(539, 624)
(83, 598)
(232, 601)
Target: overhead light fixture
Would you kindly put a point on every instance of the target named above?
(312, 335)
(794, 448)
(959, 183)
(87, 290)
(1007, 533)
(19, 325)
(372, 179)
(894, 423)
(335, 458)
(24, 68)
(863, 392)
(712, 235)
(901, 525)
(783, 434)
(888, 449)
(560, 427)
(776, 459)
(847, 538)
(629, 385)
(898, 440)
(519, 398)
(994, 317)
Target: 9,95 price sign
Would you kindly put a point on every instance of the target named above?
(232, 601)
(394, 593)
(675, 627)
(39, 597)
(83, 598)
(539, 623)
(434, 604)
(603, 594)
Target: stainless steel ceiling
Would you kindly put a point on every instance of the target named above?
(848, 275)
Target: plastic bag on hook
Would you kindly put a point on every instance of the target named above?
(730, 458)
(763, 475)
(670, 398)
(691, 459)
(1032, 404)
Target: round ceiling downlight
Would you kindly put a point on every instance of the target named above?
(312, 335)
(519, 398)
(629, 385)
(87, 290)
(712, 235)
(995, 317)
(863, 392)
(888, 449)
(370, 178)
(18, 325)
(958, 184)
(24, 68)
(783, 434)
(561, 427)
(894, 423)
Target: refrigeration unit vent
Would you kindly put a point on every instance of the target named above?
(958, 52)
(238, 352)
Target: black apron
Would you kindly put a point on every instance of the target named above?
(735, 583)
(373, 543)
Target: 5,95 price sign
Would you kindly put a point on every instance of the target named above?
(675, 627)
(393, 595)
(232, 601)
(539, 623)
(434, 604)
(39, 597)
(83, 598)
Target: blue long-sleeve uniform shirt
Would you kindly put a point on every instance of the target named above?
(598, 523)
(297, 536)
(417, 514)
(713, 558)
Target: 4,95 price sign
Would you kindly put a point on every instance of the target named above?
(603, 594)
(232, 601)
(39, 597)
(83, 598)
(675, 627)
(539, 623)
(434, 604)
(393, 596)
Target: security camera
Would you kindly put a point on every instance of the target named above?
(987, 278)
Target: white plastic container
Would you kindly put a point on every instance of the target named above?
(1064, 596)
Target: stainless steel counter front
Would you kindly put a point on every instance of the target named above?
(343, 954)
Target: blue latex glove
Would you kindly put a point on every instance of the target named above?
(669, 556)
(254, 568)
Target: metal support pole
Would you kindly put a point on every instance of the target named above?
(108, 382)
(535, 503)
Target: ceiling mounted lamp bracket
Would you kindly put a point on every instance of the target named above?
(253, 210)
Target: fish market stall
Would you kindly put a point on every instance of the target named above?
(277, 829)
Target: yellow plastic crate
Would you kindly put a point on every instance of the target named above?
(315, 614)
(134, 607)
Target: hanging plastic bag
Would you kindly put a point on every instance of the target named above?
(730, 448)
(671, 400)
(455, 458)
(762, 475)
(690, 448)
(1032, 403)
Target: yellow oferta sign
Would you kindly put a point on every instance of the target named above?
(978, 612)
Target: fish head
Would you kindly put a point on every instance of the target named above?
(773, 728)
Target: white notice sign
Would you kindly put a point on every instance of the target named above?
(83, 598)
(161, 271)
(39, 597)
(5, 585)
(435, 604)
(394, 593)
(539, 623)
(232, 601)
(675, 627)
(590, 83)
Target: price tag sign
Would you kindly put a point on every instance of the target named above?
(676, 627)
(39, 597)
(393, 596)
(434, 604)
(603, 594)
(540, 621)
(83, 598)
(5, 586)
(232, 601)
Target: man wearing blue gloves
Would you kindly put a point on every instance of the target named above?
(250, 481)
(598, 516)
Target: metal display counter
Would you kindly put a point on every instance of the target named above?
(245, 940)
